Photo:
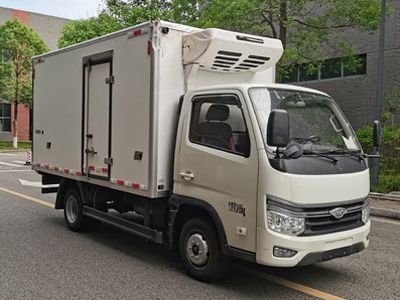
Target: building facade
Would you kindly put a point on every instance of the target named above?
(355, 90)
(49, 28)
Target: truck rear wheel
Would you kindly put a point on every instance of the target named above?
(73, 212)
(200, 251)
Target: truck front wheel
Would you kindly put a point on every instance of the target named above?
(200, 251)
(73, 212)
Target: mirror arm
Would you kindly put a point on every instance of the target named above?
(372, 155)
(277, 153)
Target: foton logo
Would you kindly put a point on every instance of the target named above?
(338, 212)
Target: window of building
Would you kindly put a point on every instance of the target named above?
(327, 69)
(290, 74)
(359, 68)
(5, 117)
(331, 68)
(308, 73)
(218, 122)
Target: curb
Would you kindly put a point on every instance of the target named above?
(15, 151)
(380, 196)
(386, 213)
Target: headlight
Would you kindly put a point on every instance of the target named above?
(365, 214)
(285, 224)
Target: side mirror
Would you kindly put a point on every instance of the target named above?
(377, 134)
(278, 128)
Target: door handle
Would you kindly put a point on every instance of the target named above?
(187, 175)
(90, 151)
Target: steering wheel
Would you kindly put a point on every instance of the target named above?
(313, 139)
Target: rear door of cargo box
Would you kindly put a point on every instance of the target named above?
(97, 84)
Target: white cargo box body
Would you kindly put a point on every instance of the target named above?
(105, 111)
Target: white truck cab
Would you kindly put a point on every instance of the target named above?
(286, 210)
(185, 129)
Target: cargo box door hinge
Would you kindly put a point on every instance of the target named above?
(108, 161)
(110, 80)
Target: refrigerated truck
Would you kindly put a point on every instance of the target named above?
(180, 135)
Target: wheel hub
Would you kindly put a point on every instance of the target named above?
(197, 250)
(71, 209)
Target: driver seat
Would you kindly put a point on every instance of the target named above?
(215, 131)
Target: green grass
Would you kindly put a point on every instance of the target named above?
(21, 146)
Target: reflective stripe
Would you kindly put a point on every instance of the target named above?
(121, 182)
(98, 169)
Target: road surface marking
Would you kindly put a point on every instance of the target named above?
(7, 171)
(290, 284)
(36, 183)
(384, 220)
(19, 162)
(10, 165)
(26, 197)
(274, 279)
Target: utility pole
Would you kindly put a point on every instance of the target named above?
(379, 91)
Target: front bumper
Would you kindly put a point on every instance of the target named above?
(312, 249)
(317, 257)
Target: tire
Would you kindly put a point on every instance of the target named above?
(201, 252)
(73, 212)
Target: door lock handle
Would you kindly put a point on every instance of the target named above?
(187, 175)
(90, 151)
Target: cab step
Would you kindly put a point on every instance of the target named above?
(137, 229)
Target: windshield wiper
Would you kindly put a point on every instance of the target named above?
(348, 152)
(334, 160)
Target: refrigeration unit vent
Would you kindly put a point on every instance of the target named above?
(222, 51)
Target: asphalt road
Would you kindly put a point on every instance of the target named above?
(41, 259)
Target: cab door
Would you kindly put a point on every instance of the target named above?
(217, 162)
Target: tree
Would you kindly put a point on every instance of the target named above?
(119, 14)
(186, 11)
(82, 30)
(308, 30)
(18, 44)
(391, 106)
(134, 12)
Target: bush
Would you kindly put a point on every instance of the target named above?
(390, 138)
(387, 183)
(389, 163)
(8, 145)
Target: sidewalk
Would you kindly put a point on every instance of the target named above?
(385, 205)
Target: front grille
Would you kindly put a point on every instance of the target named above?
(319, 220)
(327, 223)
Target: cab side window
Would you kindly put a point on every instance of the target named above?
(218, 122)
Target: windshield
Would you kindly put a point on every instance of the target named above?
(316, 122)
